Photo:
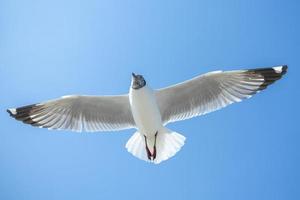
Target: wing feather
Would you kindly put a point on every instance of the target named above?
(79, 113)
(212, 91)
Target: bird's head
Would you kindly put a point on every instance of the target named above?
(138, 81)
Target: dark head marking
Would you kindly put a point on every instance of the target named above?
(138, 81)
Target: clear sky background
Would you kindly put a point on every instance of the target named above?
(247, 151)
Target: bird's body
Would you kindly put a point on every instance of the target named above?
(145, 111)
(150, 110)
(151, 132)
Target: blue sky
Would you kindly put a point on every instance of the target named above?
(53, 48)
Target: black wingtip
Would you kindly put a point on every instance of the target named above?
(10, 113)
(284, 69)
(270, 75)
(24, 114)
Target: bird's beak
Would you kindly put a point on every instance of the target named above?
(133, 75)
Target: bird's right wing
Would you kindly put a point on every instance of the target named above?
(79, 113)
(212, 91)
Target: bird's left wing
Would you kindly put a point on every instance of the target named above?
(79, 113)
(212, 91)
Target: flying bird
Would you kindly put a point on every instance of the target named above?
(149, 110)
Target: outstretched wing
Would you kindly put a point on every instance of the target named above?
(79, 113)
(212, 91)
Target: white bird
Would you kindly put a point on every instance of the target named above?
(149, 110)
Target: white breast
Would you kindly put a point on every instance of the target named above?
(145, 110)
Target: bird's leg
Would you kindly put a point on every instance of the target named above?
(147, 149)
(154, 148)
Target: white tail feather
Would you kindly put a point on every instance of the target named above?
(168, 143)
(136, 146)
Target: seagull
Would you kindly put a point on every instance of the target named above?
(149, 111)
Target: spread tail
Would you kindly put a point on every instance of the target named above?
(168, 143)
